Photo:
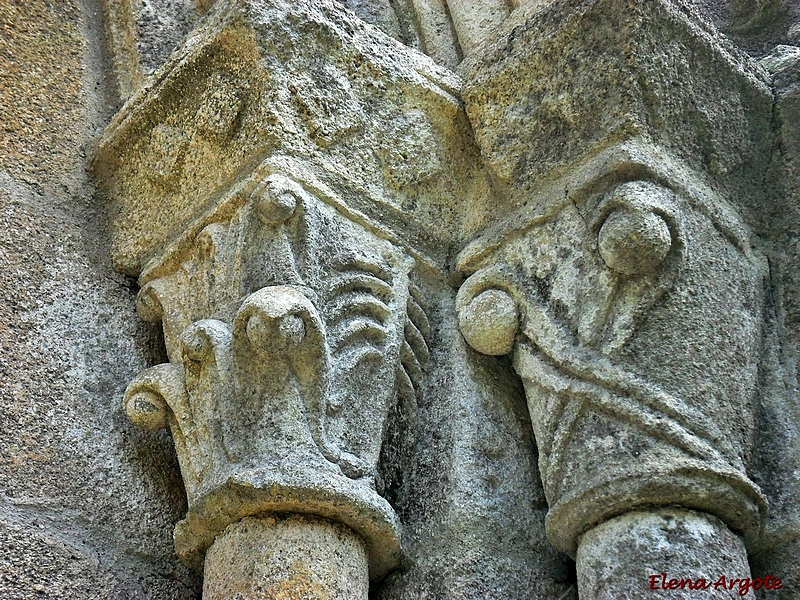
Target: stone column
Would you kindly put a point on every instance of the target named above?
(667, 553)
(286, 557)
(283, 273)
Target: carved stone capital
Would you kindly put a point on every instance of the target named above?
(276, 228)
(637, 350)
(619, 272)
(277, 399)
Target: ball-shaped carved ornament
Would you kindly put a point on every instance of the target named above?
(634, 241)
(273, 203)
(489, 322)
(147, 409)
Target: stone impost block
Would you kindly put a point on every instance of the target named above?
(570, 78)
(377, 121)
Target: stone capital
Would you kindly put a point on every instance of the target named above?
(272, 186)
(624, 283)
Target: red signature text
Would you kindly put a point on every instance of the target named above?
(742, 585)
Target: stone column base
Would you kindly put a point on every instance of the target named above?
(282, 557)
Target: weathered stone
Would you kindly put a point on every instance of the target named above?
(43, 560)
(777, 455)
(341, 253)
(781, 561)
(593, 73)
(471, 503)
(634, 240)
(475, 22)
(598, 335)
(636, 340)
(279, 79)
(755, 25)
(86, 500)
(489, 322)
(44, 104)
(275, 404)
(286, 558)
(680, 554)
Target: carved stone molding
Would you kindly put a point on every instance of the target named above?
(331, 103)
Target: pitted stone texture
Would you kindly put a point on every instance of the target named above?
(143, 33)
(286, 558)
(69, 460)
(776, 465)
(161, 25)
(616, 559)
(41, 92)
(756, 26)
(476, 22)
(633, 243)
(781, 561)
(594, 72)
(288, 351)
(618, 367)
(345, 108)
(438, 39)
(86, 503)
(39, 562)
(489, 322)
(471, 501)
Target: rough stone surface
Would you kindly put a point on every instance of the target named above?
(617, 559)
(288, 352)
(536, 290)
(489, 323)
(782, 561)
(755, 25)
(307, 104)
(476, 22)
(619, 226)
(284, 559)
(593, 73)
(44, 119)
(86, 502)
(471, 500)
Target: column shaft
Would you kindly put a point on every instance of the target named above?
(283, 557)
(639, 554)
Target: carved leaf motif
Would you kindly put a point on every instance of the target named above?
(364, 325)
